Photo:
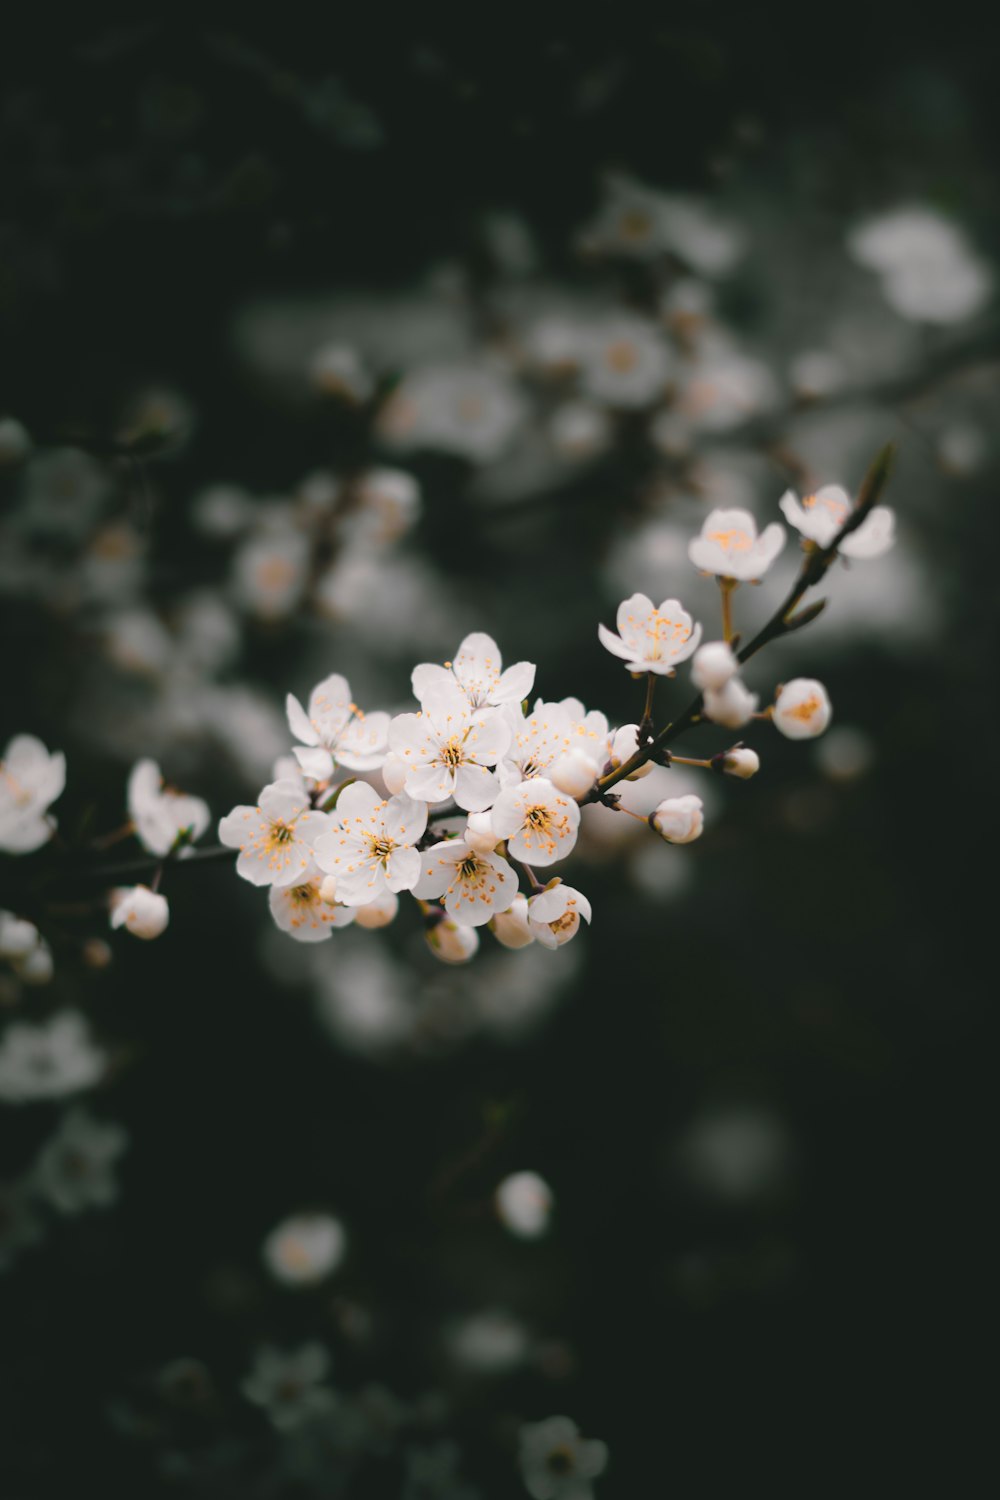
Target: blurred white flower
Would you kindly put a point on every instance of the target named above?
(821, 515)
(556, 1463)
(472, 411)
(802, 709)
(160, 814)
(270, 572)
(713, 665)
(75, 1168)
(304, 1249)
(491, 1342)
(625, 363)
(144, 913)
(729, 546)
(338, 370)
(524, 1205)
(30, 780)
(650, 638)
(48, 1060)
(288, 1385)
(929, 273)
(732, 705)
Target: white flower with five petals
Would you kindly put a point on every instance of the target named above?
(30, 778)
(729, 546)
(450, 749)
(275, 838)
(554, 914)
(305, 913)
(472, 886)
(369, 849)
(161, 815)
(651, 638)
(336, 731)
(821, 515)
(537, 741)
(538, 821)
(478, 671)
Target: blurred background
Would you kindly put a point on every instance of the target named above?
(317, 351)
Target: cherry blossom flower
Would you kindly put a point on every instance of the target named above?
(289, 1385)
(160, 814)
(821, 515)
(305, 912)
(524, 1205)
(450, 750)
(802, 709)
(556, 1463)
(305, 1249)
(46, 1061)
(625, 744)
(478, 671)
(143, 912)
(539, 822)
(589, 730)
(451, 942)
(473, 886)
(369, 847)
(729, 546)
(336, 731)
(275, 838)
(732, 705)
(651, 639)
(537, 741)
(378, 913)
(626, 362)
(30, 779)
(554, 914)
(679, 820)
(75, 1167)
(512, 927)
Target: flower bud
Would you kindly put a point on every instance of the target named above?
(574, 773)
(624, 744)
(394, 769)
(713, 665)
(511, 927)
(802, 709)
(378, 913)
(679, 820)
(480, 834)
(144, 912)
(452, 944)
(524, 1205)
(328, 889)
(731, 706)
(740, 761)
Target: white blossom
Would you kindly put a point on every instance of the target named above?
(625, 744)
(394, 771)
(378, 913)
(554, 914)
(524, 1204)
(679, 820)
(48, 1060)
(450, 749)
(451, 942)
(336, 731)
(556, 1463)
(537, 740)
(75, 1168)
(143, 912)
(30, 780)
(574, 773)
(391, 498)
(160, 814)
(713, 665)
(289, 1385)
(472, 886)
(473, 411)
(270, 572)
(732, 706)
(821, 515)
(305, 912)
(477, 670)
(539, 822)
(741, 761)
(275, 838)
(626, 362)
(305, 1249)
(480, 834)
(338, 370)
(651, 639)
(729, 546)
(368, 847)
(802, 709)
(512, 928)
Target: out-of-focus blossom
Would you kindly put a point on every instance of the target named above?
(270, 571)
(713, 665)
(524, 1205)
(30, 780)
(491, 1342)
(821, 515)
(289, 1385)
(161, 815)
(15, 442)
(737, 1152)
(929, 273)
(579, 430)
(729, 546)
(144, 913)
(48, 1060)
(471, 411)
(557, 1463)
(75, 1168)
(679, 820)
(338, 370)
(452, 942)
(625, 363)
(845, 753)
(305, 1249)
(731, 705)
(512, 927)
(651, 638)
(378, 913)
(802, 709)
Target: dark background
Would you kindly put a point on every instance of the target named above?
(834, 1325)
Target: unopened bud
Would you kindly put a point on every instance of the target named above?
(144, 912)
(451, 943)
(713, 665)
(740, 761)
(378, 913)
(679, 820)
(731, 706)
(573, 773)
(511, 927)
